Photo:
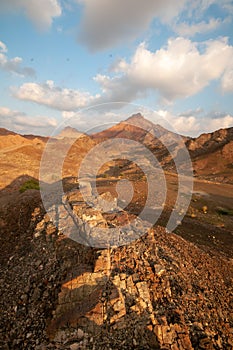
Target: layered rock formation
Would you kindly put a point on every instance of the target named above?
(159, 292)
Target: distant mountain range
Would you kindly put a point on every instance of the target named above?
(211, 153)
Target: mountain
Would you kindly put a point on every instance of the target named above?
(9, 140)
(5, 132)
(69, 132)
(138, 128)
(212, 155)
(36, 137)
(163, 143)
(21, 154)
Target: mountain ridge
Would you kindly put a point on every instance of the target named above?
(211, 153)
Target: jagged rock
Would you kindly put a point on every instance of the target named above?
(159, 292)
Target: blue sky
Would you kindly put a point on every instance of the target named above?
(59, 58)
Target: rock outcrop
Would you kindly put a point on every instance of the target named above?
(158, 292)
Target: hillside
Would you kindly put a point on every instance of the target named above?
(69, 132)
(21, 154)
(212, 155)
(163, 143)
(5, 132)
(152, 289)
(159, 292)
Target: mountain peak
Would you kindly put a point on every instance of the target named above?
(140, 121)
(70, 132)
(136, 116)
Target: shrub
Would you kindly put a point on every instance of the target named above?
(224, 211)
(29, 185)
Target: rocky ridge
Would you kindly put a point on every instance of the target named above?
(159, 292)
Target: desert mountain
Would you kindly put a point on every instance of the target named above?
(4, 132)
(163, 143)
(21, 154)
(69, 132)
(212, 155)
(138, 128)
(37, 138)
(12, 140)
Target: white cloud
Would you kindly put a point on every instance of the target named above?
(216, 123)
(68, 114)
(227, 80)
(21, 122)
(3, 47)
(194, 125)
(52, 96)
(185, 29)
(106, 23)
(179, 70)
(13, 65)
(41, 12)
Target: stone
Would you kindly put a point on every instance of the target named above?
(51, 291)
(159, 269)
(159, 333)
(74, 346)
(60, 336)
(205, 343)
(169, 335)
(80, 333)
(174, 347)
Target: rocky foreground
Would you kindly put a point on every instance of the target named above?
(159, 292)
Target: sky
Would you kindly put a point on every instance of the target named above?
(92, 62)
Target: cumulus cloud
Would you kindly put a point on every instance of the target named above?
(196, 124)
(13, 65)
(227, 80)
(185, 29)
(179, 70)
(41, 13)
(225, 121)
(22, 122)
(106, 23)
(52, 96)
(3, 47)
